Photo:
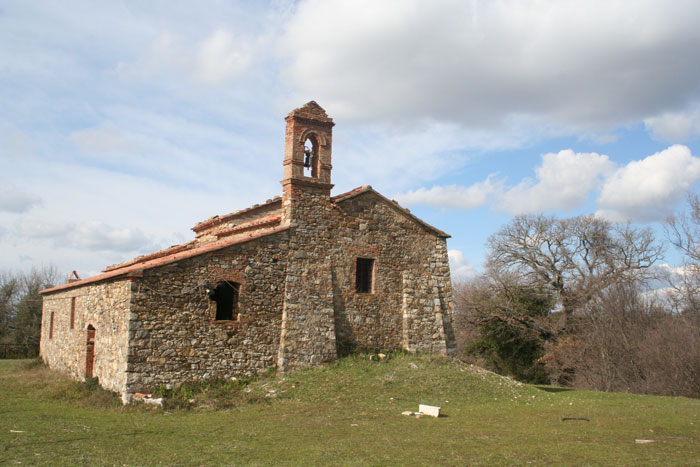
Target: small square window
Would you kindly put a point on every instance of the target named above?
(225, 294)
(363, 275)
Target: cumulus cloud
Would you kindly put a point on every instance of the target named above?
(583, 65)
(642, 190)
(674, 126)
(451, 196)
(16, 201)
(647, 189)
(460, 268)
(90, 235)
(563, 182)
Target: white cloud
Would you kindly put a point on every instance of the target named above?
(451, 196)
(105, 138)
(641, 191)
(674, 126)
(563, 182)
(580, 65)
(648, 189)
(16, 201)
(35, 228)
(460, 268)
(89, 235)
(216, 60)
(221, 58)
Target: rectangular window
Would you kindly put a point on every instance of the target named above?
(51, 326)
(363, 275)
(225, 294)
(72, 312)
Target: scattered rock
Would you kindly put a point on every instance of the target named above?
(158, 402)
(382, 356)
(643, 441)
(407, 413)
(412, 365)
(431, 410)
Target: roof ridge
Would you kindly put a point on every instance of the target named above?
(224, 217)
(172, 258)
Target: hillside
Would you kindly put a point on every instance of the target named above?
(344, 413)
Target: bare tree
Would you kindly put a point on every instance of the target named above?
(683, 232)
(9, 296)
(628, 341)
(574, 259)
(20, 310)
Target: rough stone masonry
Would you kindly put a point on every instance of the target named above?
(288, 283)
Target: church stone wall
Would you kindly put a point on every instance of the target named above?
(308, 329)
(105, 306)
(298, 302)
(173, 334)
(410, 306)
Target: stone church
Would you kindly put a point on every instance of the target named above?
(289, 283)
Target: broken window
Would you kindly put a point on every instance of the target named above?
(363, 275)
(225, 294)
(72, 312)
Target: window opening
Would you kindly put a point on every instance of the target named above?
(225, 294)
(363, 275)
(90, 352)
(51, 326)
(311, 157)
(72, 313)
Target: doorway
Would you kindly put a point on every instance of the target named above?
(90, 354)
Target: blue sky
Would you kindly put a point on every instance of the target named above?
(122, 123)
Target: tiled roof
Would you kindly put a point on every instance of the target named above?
(216, 220)
(190, 249)
(136, 268)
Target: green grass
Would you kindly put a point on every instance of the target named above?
(345, 413)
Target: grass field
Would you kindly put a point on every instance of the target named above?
(344, 413)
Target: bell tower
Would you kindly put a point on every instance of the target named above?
(307, 157)
(307, 334)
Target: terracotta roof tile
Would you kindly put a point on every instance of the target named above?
(213, 221)
(169, 259)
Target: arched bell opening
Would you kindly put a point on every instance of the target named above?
(311, 157)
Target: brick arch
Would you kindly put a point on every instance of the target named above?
(320, 138)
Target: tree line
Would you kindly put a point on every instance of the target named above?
(20, 310)
(579, 302)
